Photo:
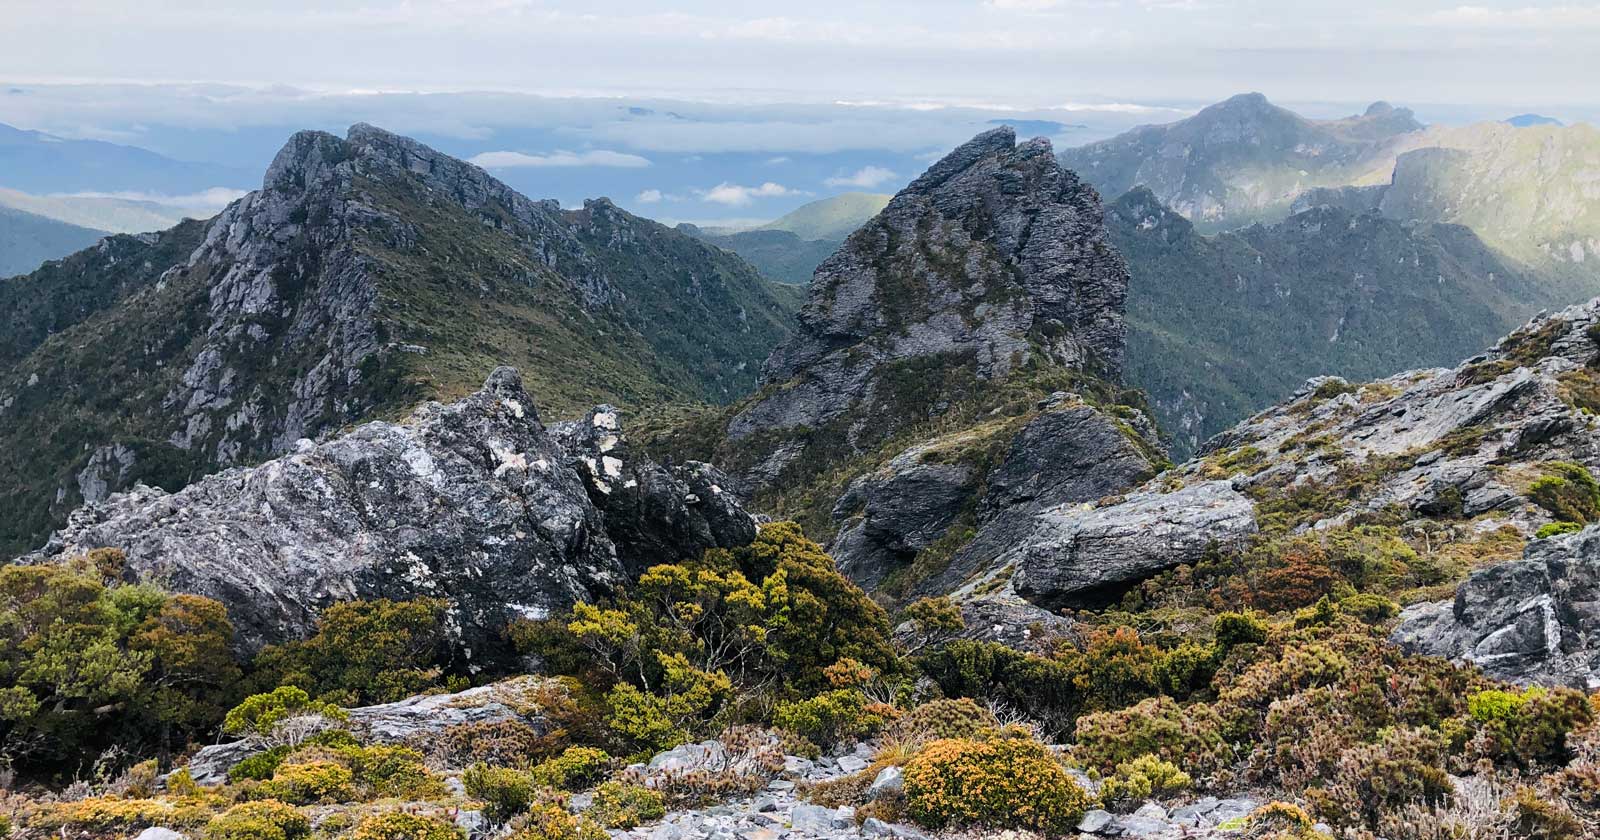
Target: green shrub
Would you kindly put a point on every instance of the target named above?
(833, 717)
(1188, 737)
(1235, 628)
(1568, 492)
(1039, 687)
(1529, 728)
(88, 663)
(389, 770)
(1556, 529)
(271, 718)
(576, 768)
(363, 652)
(401, 825)
(503, 791)
(266, 819)
(1142, 778)
(314, 782)
(653, 722)
(1371, 609)
(625, 806)
(995, 783)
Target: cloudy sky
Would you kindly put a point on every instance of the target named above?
(1030, 52)
(716, 110)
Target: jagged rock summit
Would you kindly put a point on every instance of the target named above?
(955, 371)
(994, 258)
(368, 274)
(475, 502)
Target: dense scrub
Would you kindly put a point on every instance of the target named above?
(1296, 694)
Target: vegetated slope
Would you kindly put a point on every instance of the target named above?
(1243, 160)
(1528, 192)
(831, 218)
(368, 274)
(778, 254)
(1223, 326)
(27, 240)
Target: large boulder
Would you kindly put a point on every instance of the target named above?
(1084, 555)
(1534, 620)
(473, 502)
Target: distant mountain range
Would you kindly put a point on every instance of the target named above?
(1243, 160)
(26, 240)
(1222, 325)
(36, 162)
(789, 248)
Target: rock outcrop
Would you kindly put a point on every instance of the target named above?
(474, 502)
(1535, 620)
(369, 274)
(1455, 448)
(993, 257)
(414, 720)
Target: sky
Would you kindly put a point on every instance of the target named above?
(729, 111)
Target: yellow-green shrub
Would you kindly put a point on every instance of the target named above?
(575, 768)
(107, 814)
(266, 819)
(314, 782)
(995, 783)
(1142, 778)
(503, 791)
(1189, 737)
(400, 825)
(942, 719)
(624, 806)
(552, 822)
(832, 717)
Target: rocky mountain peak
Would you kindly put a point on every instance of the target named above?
(994, 259)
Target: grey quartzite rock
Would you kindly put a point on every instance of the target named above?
(1534, 620)
(1078, 554)
(473, 502)
(992, 256)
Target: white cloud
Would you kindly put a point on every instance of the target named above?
(1521, 17)
(598, 157)
(780, 159)
(215, 198)
(735, 195)
(649, 197)
(866, 177)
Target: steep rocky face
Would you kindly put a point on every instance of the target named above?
(955, 369)
(993, 259)
(1461, 449)
(368, 274)
(1223, 326)
(1244, 159)
(474, 502)
(1536, 620)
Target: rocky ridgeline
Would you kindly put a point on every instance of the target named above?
(938, 392)
(1462, 444)
(476, 502)
(368, 274)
